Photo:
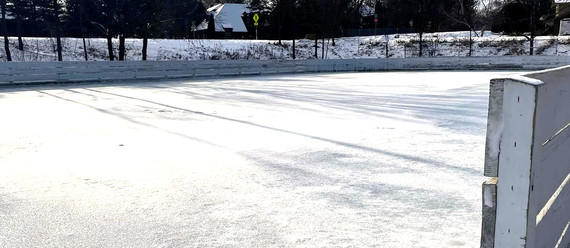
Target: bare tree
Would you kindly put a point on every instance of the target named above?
(488, 9)
(463, 12)
(525, 18)
(81, 20)
(422, 21)
(5, 31)
(57, 26)
(535, 9)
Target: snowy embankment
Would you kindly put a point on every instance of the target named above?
(399, 46)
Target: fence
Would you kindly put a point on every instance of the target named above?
(380, 46)
(499, 46)
(527, 202)
(376, 31)
(43, 72)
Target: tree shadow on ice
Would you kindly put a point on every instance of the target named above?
(344, 184)
(431, 162)
(461, 110)
(132, 120)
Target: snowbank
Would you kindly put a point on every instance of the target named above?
(399, 46)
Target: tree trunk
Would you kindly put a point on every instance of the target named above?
(470, 44)
(57, 30)
(387, 47)
(110, 46)
(323, 48)
(333, 28)
(33, 15)
(532, 29)
(316, 46)
(19, 29)
(294, 56)
(85, 49)
(531, 45)
(83, 34)
(5, 32)
(121, 47)
(421, 43)
(145, 47)
(279, 33)
(20, 43)
(59, 48)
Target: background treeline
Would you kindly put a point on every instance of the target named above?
(280, 19)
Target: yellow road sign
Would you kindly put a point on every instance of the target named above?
(256, 24)
(256, 17)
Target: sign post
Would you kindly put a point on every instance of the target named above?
(193, 25)
(375, 24)
(256, 23)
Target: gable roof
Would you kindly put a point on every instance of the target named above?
(366, 10)
(227, 16)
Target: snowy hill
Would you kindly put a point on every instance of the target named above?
(402, 45)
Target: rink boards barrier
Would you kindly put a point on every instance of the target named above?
(46, 72)
(526, 203)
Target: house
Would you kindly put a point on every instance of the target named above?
(563, 14)
(224, 21)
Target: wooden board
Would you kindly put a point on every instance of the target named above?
(489, 213)
(529, 120)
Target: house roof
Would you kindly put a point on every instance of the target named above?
(227, 16)
(366, 10)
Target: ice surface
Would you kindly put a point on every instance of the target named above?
(319, 160)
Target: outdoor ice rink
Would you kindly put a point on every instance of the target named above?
(391, 159)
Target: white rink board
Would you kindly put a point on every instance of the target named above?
(69, 72)
(549, 206)
(534, 160)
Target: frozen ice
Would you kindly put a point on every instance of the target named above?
(392, 159)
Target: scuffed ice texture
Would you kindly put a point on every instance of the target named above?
(321, 160)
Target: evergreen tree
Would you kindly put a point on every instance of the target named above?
(146, 20)
(106, 22)
(49, 12)
(281, 17)
(18, 11)
(176, 17)
(258, 5)
(78, 20)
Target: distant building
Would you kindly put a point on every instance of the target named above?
(224, 21)
(563, 14)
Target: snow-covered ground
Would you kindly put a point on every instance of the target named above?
(318, 160)
(402, 45)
